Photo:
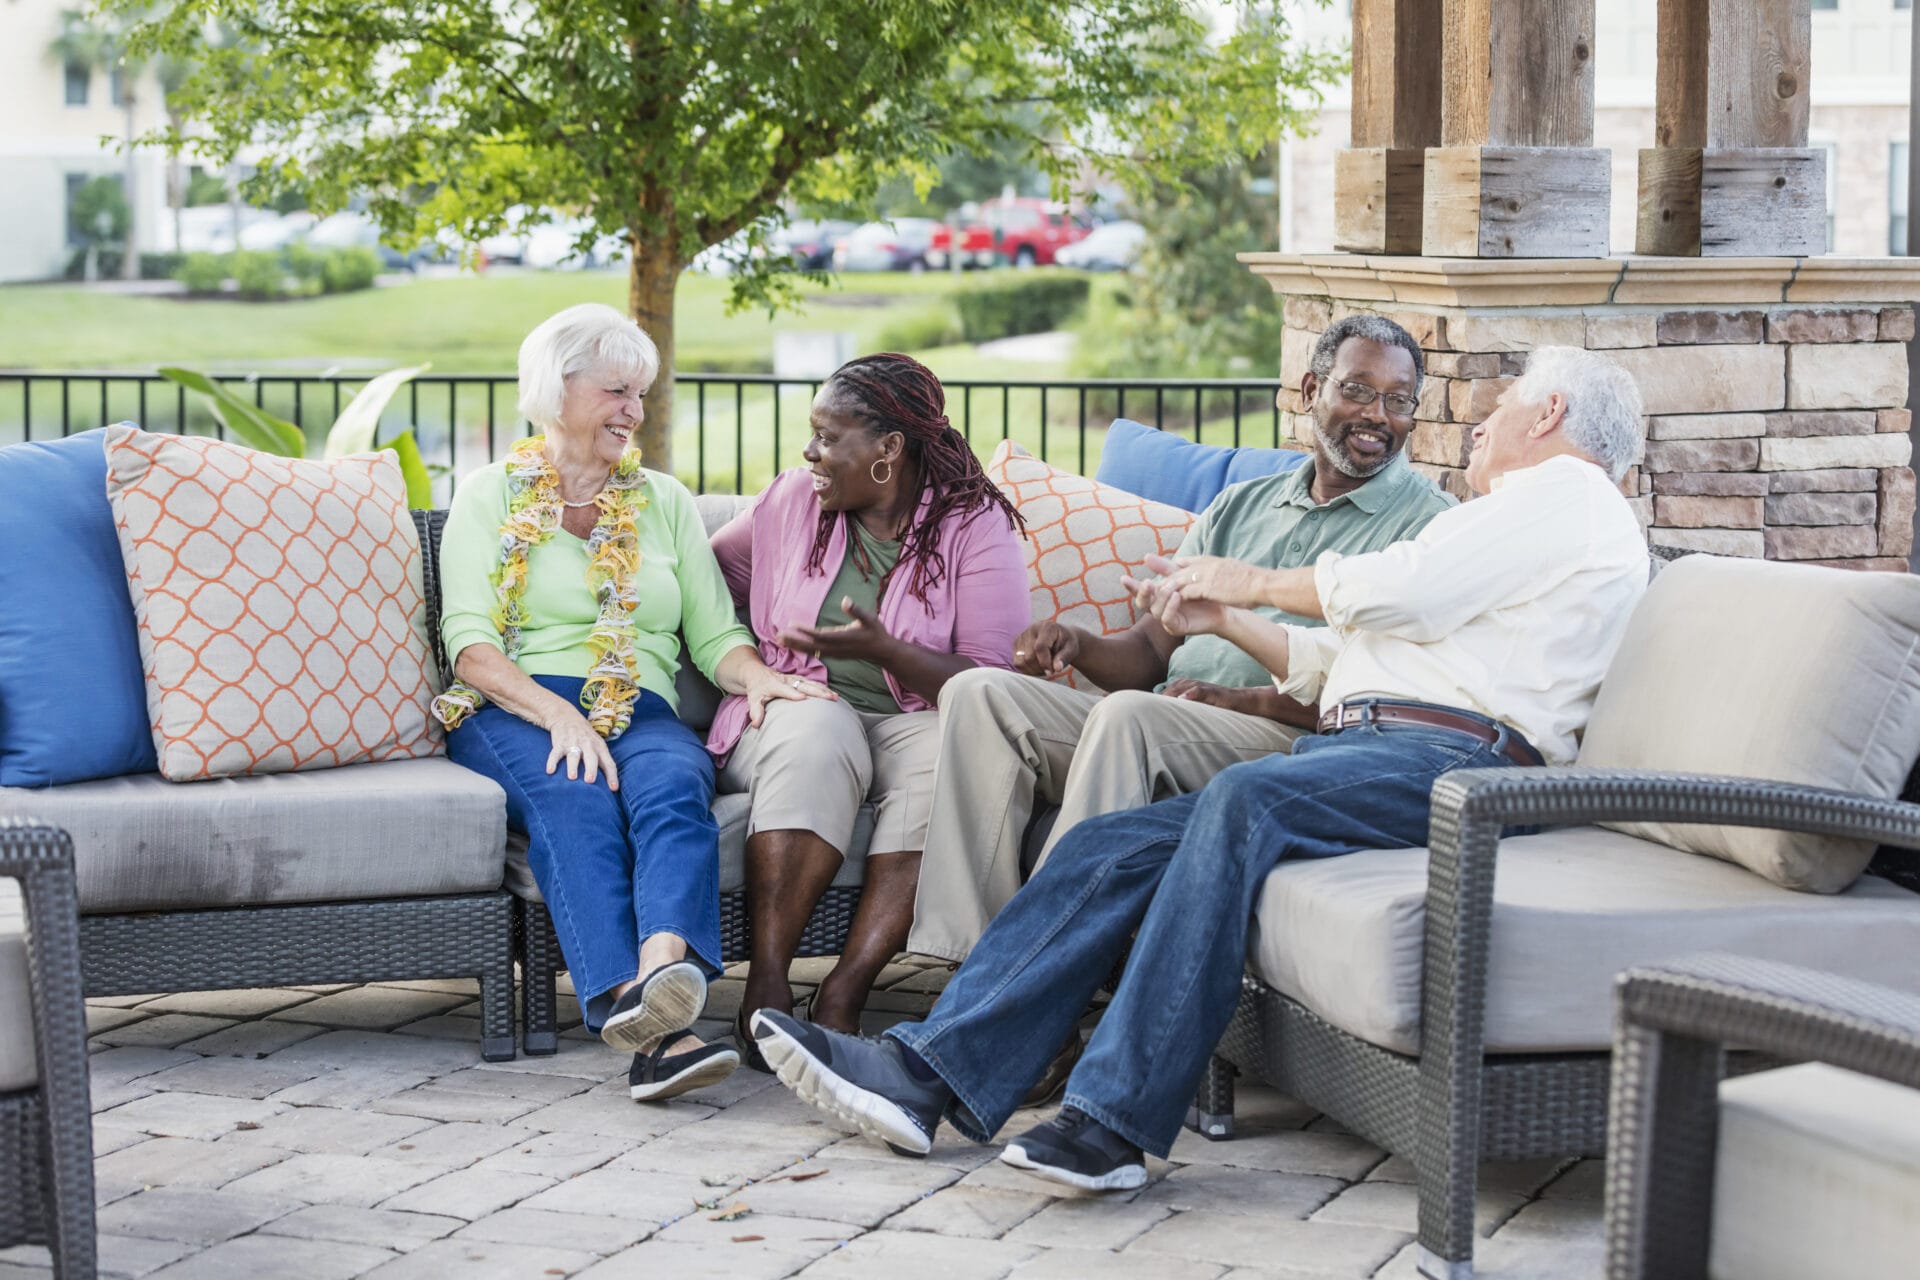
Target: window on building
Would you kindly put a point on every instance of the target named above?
(78, 80)
(1903, 4)
(1897, 199)
(1826, 4)
(116, 88)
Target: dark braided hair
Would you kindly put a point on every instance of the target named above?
(894, 392)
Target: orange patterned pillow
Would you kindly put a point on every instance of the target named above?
(1082, 536)
(281, 615)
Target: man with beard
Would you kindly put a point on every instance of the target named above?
(1179, 709)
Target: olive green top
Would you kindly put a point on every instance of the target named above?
(861, 684)
(1274, 522)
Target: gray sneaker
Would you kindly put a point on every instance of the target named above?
(860, 1082)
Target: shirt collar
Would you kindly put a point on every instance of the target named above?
(1371, 497)
(1527, 475)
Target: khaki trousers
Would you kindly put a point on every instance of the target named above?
(1010, 743)
(811, 763)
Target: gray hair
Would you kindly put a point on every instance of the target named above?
(1603, 404)
(588, 336)
(1369, 328)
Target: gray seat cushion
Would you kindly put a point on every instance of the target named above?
(1572, 908)
(731, 813)
(18, 1069)
(397, 829)
(1817, 1173)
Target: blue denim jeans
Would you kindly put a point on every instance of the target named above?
(615, 867)
(1185, 874)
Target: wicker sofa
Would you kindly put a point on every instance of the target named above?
(46, 1124)
(1453, 1016)
(1806, 1171)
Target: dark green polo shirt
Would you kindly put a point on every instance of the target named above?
(1273, 522)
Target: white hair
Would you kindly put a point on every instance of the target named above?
(1603, 404)
(591, 335)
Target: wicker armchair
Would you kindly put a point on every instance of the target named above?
(1452, 1105)
(46, 1127)
(1675, 1022)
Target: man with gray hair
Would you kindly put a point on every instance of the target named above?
(1178, 709)
(1478, 644)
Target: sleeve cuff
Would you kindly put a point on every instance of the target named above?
(1305, 671)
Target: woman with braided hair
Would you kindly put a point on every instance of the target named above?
(883, 567)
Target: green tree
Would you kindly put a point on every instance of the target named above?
(684, 123)
(1190, 310)
(101, 46)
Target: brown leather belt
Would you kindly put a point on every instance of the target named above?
(1349, 715)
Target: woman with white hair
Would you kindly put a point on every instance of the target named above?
(569, 573)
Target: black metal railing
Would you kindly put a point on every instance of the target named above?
(732, 432)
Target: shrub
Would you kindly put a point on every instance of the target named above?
(260, 277)
(1028, 303)
(203, 272)
(921, 330)
(153, 266)
(348, 269)
(307, 264)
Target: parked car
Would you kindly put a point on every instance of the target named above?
(277, 232)
(1018, 230)
(346, 230)
(1112, 246)
(208, 228)
(899, 245)
(811, 241)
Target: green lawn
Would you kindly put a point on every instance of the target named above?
(462, 324)
(469, 324)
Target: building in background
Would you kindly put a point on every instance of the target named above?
(52, 120)
(1860, 90)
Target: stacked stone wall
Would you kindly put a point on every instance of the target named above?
(1772, 431)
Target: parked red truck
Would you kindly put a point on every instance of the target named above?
(1022, 231)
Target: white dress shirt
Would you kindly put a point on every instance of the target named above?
(1510, 606)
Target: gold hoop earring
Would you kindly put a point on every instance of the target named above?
(877, 479)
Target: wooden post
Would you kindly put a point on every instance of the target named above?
(1517, 174)
(1732, 175)
(1377, 182)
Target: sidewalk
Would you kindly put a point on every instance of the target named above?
(334, 1132)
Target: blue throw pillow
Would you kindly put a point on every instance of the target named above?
(1159, 465)
(73, 703)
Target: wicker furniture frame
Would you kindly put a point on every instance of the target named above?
(1451, 1106)
(1675, 1022)
(537, 947)
(46, 1132)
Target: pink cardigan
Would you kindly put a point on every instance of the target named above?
(975, 610)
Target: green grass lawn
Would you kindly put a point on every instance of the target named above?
(462, 324)
(474, 324)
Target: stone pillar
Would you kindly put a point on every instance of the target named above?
(1774, 390)
(1516, 174)
(1378, 180)
(1732, 175)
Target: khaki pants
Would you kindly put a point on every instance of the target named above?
(811, 763)
(1009, 743)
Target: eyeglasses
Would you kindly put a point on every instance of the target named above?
(1360, 393)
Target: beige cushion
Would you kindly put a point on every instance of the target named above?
(18, 1068)
(1082, 538)
(717, 508)
(1817, 1174)
(279, 605)
(406, 828)
(731, 811)
(1572, 908)
(1767, 670)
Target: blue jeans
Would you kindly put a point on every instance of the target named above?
(1185, 874)
(615, 867)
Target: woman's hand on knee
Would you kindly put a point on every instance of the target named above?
(581, 749)
(768, 685)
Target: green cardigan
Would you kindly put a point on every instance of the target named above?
(680, 587)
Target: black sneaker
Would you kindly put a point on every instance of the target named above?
(659, 1075)
(860, 1082)
(1075, 1149)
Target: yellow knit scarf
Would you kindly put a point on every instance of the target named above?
(613, 553)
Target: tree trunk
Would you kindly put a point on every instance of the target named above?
(653, 273)
(130, 251)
